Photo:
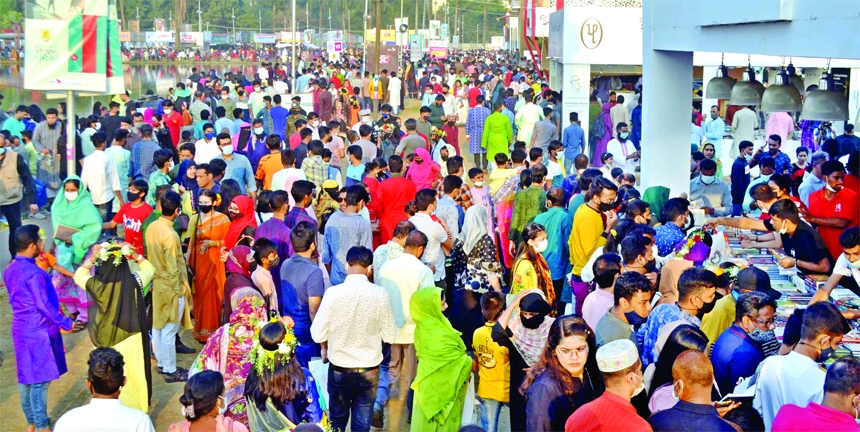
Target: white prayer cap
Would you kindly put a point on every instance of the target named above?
(617, 355)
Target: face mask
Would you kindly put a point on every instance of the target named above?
(762, 336)
(228, 150)
(71, 196)
(533, 322)
(204, 208)
(641, 386)
(274, 262)
(650, 266)
(675, 392)
(605, 207)
(713, 116)
(385, 115)
(655, 250)
(131, 196)
(256, 89)
(707, 307)
(225, 97)
(830, 188)
(541, 246)
(258, 131)
(314, 123)
(222, 409)
(168, 111)
(235, 215)
(365, 119)
(2, 150)
(209, 136)
(784, 228)
(826, 353)
(623, 135)
(747, 157)
(481, 184)
(691, 221)
(97, 126)
(634, 319)
(708, 179)
(855, 264)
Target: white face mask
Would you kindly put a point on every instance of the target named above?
(365, 119)
(708, 179)
(784, 228)
(541, 246)
(655, 250)
(227, 150)
(71, 196)
(855, 264)
(256, 89)
(830, 188)
(222, 409)
(479, 184)
(258, 131)
(641, 386)
(168, 111)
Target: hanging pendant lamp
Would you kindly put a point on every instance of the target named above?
(781, 96)
(748, 91)
(825, 103)
(796, 80)
(720, 86)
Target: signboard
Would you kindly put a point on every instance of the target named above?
(443, 31)
(159, 37)
(388, 58)
(190, 38)
(438, 48)
(113, 71)
(596, 35)
(65, 46)
(334, 49)
(335, 35)
(219, 38)
(289, 37)
(264, 38)
(435, 27)
(158, 25)
(416, 47)
(854, 98)
(125, 36)
(539, 19)
(388, 36)
(497, 42)
(455, 41)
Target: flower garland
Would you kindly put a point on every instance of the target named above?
(113, 250)
(731, 271)
(438, 132)
(695, 237)
(262, 358)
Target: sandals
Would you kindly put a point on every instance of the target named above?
(79, 326)
(181, 375)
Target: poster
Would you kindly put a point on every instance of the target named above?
(387, 58)
(158, 25)
(264, 38)
(435, 27)
(65, 45)
(443, 31)
(416, 45)
(334, 50)
(438, 48)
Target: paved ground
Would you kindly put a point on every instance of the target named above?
(70, 390)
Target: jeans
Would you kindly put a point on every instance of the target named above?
(12, 213)
(480, 160)
(384, 379)
(580, 291)
(569, 159)
(490, 410)
(164, 340)
(106, 212)
(737, 209)
(368, 103)
(34, 401)
(352, 393)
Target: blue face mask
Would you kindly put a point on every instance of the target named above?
(623, 135)
(209, 136)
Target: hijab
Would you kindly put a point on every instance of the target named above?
(423, 174)
(530, 343)
(79, 214)
(656, 197)
(239, 260)
(246, 218)
(443, 366)
(474, 227)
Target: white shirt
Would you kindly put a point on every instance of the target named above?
(552, 169)
(204, 151)
(790, 379)
(100, 177)
(263, 73)
(401, 277)
(619, 155)
(394, 86)
(843, 267)
(436, 235)
(280, 87)
(104, 415)
(354, 317)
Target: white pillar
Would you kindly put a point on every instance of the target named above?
(575, 79)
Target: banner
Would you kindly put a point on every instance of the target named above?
(65, 45)
(416, 47)
(334, 49)
(388, 36)
(115, 83)
(434, 29)
(264, 38)
(159, 25)
(125, 36)
(438, 48)
(497, 42)
(388, 58)
(443, 31)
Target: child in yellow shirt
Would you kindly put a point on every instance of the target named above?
(493, 363)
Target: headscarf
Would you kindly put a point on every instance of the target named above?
(443, 366)
(239, 261)
(240, 144)
(530, 343)
(474, 227)
(148, 115)
(190, 184)
(79, 214)
(424, 173)
(246, 209)
(656, 197)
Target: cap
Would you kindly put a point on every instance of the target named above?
(617, 355)
(756, 279)
(364, 112)
(329, 184)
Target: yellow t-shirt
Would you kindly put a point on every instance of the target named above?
(494, 365)
(498, 177)
(525, 277)
(715, 322)
(585, 237)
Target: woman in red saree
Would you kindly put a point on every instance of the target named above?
(209, 229)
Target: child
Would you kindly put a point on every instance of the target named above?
(481, 196)
(355, 169)
(493, 363)
(333, 172)
(266, 257)
(499, 172)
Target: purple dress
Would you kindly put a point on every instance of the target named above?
(36, 322)
(600, 145)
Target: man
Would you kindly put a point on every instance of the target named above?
(393, 90)
(45, 138)
(636, 123)
(395, 193)
(848, 141)
(197, 107)
(280, 121)
(174, 123)
(350, 339)
(738, 350)
(475, 124)
(16, 180)
(302, 287)
(558, 224)
(302, 192)
(15, 123)
(714, 129)
(618, 114)
(288, 175)
(631, 306)
(227, 103)
(606, 269)
(170, 289)
(35, 325)
(255, 99)
(446, 209)
(779, 123)
(269, 164)
(713, 192)
(437, 112)
(813, 181)
(402, 277)
(100, 176)
(839, 407)
(238, 166)
(111, 122)
(697, 135)
(527, 117)
(132, 214)
(207, 147)
(223, 124)
(423, 126)
(625, 154)
(105, 379)
(740, 176)
(675, 216)
(497, 135)
(744, 124)
(393, 248)
(693, 380)
(832, 209)
(696, 297)
(778, 384)
(612, 411)
(315, 168)
(750, 279)
(368, 148)
(782, 163)
(326, 103)
(344, 230)
(846, 267)
(573, 139)
(637, 251)
(412, 141)
(544, 130)
(437, 235)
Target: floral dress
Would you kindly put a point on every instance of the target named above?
(481, 265)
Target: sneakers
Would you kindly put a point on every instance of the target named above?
(37, 216)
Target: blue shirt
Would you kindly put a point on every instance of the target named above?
(558, 225)
(239, 169)
(636, 119)
(694, 417)
(300, 278)
(573, 140)
(279, 121)
(740, 180)
(648, 332)
(734, 355)
(141, 164)
(342, 232)
(224, 123)
(668, 236)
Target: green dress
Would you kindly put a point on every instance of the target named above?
(528, 203)
(444, 368)
(498, 135)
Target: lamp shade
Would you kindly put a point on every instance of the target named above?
(824, 103)
(747, 91)
(781, 96)
(720, 86)
(797, 81)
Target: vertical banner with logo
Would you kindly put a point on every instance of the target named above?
(443, 31)
(66, 46)
(416, 47)
(435, 26)
(115, 84)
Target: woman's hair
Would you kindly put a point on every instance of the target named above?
(525, 178)
(709, 144)
(548, 363)
(284, 382)
(782, 181)
(208, 193)
(411, 208)
(725, 280)
(684, 337)
(527, 252)
(229, 189)
(247, 237)
(75, 182)
(201, 394)
(263, 202)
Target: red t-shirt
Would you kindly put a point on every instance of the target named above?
(843, 205)
(132, 219)
(174, 124)
(474, 92)
(852, 182)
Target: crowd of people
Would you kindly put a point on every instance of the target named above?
(540, 280)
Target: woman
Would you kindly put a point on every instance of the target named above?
(228, 190)
(239, 267)
(423, 171)
(341, 108)
(658, 376)
(208, 230)
(598, 145)
(565, 378)
(710, 152)
(263, 210)
(118, 314)
(529, 202)
(780, 184)
(227, 350)
(799, 169)
(241, 212)
(186, 178)
(608, 164)
(78, 224)
(530, 268)
(444, 368)
(523, 328)
(279, 393)
(461, 103)
(327, 199)
(203, 403)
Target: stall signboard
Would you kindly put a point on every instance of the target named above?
(190, 38)
(596, 35)
(65, 47)
(435, 27)
(159, 37)
(497, 42)
(438, 48)
(389, 57)
(290, 37)
(455, 41)
(537, 21)
(388, 36)
(443, 31)
(335, 35)
(125, 36)
(334, 50)
(416, 47)
(264, 38)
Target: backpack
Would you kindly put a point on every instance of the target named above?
(598, 129)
